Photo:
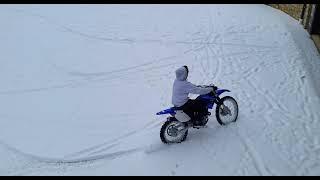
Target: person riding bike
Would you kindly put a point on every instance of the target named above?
(181, 89)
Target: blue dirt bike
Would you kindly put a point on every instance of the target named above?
(175, 130)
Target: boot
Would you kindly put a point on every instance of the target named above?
(188, 124)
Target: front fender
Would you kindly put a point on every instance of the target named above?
(220, 91)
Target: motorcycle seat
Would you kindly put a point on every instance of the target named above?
(176, 108)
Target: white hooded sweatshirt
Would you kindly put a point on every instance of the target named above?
(182, 88)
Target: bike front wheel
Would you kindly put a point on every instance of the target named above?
(227, 110)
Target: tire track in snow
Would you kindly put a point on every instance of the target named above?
(201, 63)
(298, 86)
(218, 65)
(227, 44)
(293, 61)
(130, 40)
(88, 75)
(127, 69)
(274, 103)
(60, 167)
(206, 76)
(247, 73)
(64, 161)
(269, 104)
(271, 137)
(257, 159)
(84, 82)
(113, 142)
(103, 149)
(258, 162)
(223, 56)
(105, 145)
(267, 94)
(74, 84)
(212, 149)
(92, 152)
(299, 83)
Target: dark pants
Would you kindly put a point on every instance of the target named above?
(192, 106)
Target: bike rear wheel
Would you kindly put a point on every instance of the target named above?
(170, 134)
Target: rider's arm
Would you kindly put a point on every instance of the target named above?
(193, 89)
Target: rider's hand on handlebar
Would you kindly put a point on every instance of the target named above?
(214, 87)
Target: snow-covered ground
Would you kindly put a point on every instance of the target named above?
(80, 86)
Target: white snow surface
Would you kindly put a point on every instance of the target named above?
(80, 86)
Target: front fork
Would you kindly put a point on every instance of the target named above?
(225, 109)
(217, 100)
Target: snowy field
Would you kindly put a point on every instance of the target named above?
(80, 86)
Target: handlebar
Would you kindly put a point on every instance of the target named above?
(205, 86)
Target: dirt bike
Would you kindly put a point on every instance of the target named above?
(175, 129)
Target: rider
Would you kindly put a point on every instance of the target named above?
(181, 90)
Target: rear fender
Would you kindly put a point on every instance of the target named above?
(167, 111)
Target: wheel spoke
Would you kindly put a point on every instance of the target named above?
(172, 134)
(228, 111)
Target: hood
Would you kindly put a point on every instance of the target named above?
(181, 74)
